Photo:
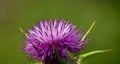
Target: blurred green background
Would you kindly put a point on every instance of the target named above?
(23, 13)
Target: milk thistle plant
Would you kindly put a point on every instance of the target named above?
(56, 42)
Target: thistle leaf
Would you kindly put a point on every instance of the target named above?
(88, 31)
(83, 56)
(23, 32)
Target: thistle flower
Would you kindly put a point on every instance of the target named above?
(49, 41)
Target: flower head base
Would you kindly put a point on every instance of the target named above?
(50, 41)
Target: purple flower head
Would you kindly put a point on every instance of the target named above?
(47, 40)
